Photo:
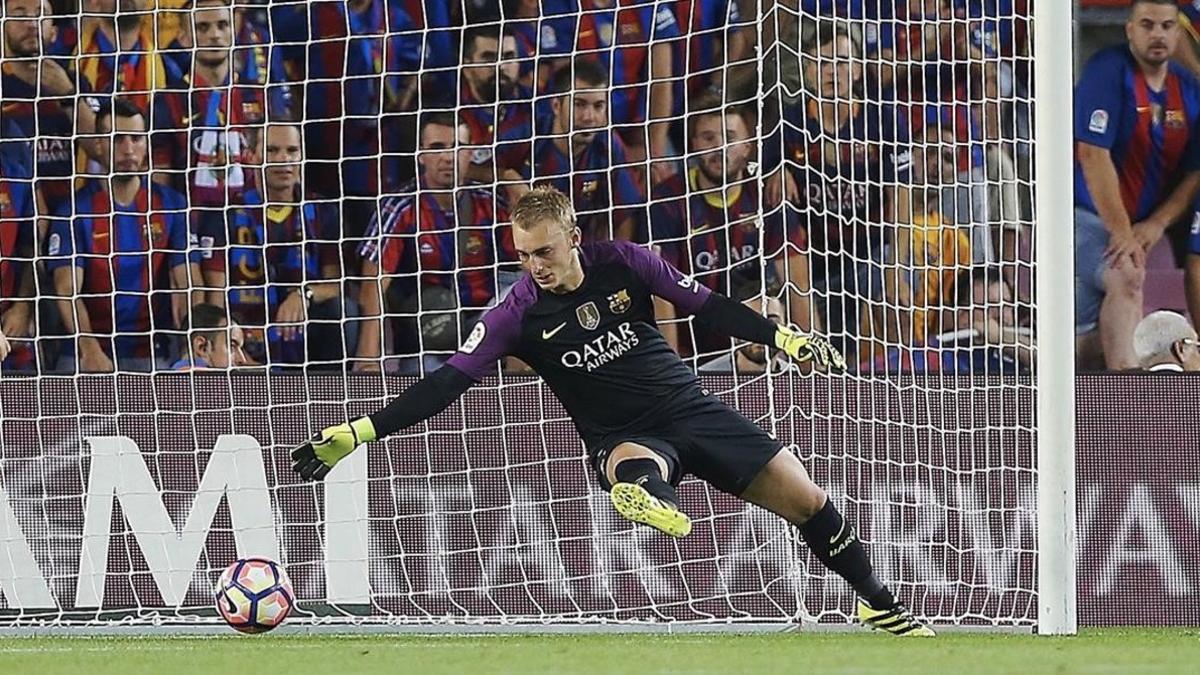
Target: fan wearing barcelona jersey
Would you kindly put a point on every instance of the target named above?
(850, 159)
(206, 130)
(708, 224)
(280, 259)
(633, 41)
(1137, 169)
(120, 261)
(18, 199)
(437, 246)
(583, 158)
(37, 95)
(497, 110)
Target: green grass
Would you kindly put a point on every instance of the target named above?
(1093, 651)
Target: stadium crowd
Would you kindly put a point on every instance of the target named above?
(324, 184)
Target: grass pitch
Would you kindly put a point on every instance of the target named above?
(1093, 651)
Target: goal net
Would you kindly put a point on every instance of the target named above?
(860, 168)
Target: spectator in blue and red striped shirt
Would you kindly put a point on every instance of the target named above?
(118, 257)
(493, 104)
(851, 161)
(709, 224)
(707, 60)
(279, 258)
(1137, 140)
(357, 59)
(585, 160)
(118, 51)
(37, 99)
(439, 245)
(17, 246)
(633, 40)
(205, 133)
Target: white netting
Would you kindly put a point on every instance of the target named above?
(865, 166)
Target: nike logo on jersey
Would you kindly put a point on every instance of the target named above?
(547, 334)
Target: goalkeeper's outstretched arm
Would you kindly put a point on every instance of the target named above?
(428, 397)
(737, 320)
(723, 314)
(492, 338)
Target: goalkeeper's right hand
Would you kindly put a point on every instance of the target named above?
(803, 348)
(316, 458)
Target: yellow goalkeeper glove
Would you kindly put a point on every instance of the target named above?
(316, 458)
(813, 348)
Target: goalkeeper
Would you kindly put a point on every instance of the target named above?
(584, 320)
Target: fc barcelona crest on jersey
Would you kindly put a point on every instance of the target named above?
(619, 302)
(589, 315)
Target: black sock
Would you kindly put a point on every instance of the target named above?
(646, 472)
(835, 544)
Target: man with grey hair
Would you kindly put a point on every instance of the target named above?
(1166, 341)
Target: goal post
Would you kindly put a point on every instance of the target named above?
(123, 495)
(1054, 60)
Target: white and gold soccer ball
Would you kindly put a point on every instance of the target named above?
(254, 595)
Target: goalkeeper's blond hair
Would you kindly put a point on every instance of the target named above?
(544, 203)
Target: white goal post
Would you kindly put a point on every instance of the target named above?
(938, 146)
(1054, 63)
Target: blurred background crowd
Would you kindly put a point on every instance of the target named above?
(325, 184)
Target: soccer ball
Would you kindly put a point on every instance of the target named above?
(254, 595)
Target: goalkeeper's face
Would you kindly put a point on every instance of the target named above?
(549, 252)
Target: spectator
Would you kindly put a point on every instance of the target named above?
(1136, 172)
(714, 55)
(205, 131)
(633, 41)
(442, 242)
(118, 51)
(37, 95)
(932, 250)
(1188, 53)
(358, 65)
(1192, 269)
(213, 341)
(1166, 342)
(281, 260)
(17, 248)
(982, 336)
(582, 158)
(537, 45)
(495, 107)
(709, 224)
(124, 249)
(257, 60)
(852, 165)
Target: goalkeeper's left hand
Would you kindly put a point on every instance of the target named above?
(813, 348)
(316, 458)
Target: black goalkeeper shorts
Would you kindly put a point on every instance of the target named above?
(702, 436)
